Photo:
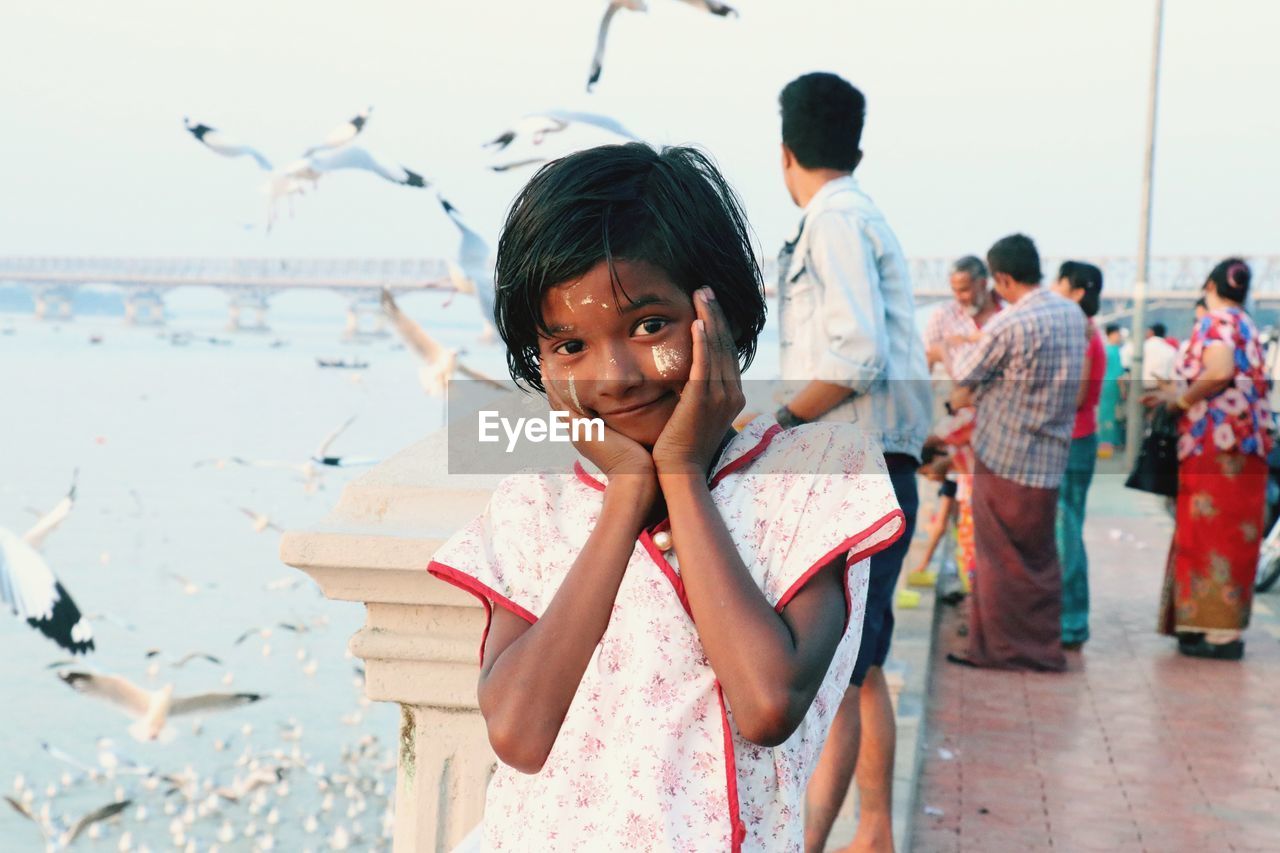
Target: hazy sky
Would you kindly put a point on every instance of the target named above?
(985, 116)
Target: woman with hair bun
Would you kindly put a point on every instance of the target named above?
(1221, 397)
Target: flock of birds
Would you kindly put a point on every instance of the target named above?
(250, 797)
(245, 804)
(470, 273)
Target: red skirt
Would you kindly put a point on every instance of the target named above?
(1209, 577)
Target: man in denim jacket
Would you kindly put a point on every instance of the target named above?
(852, 354)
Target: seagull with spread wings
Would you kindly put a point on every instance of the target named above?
(151, 709)
(536, 127)
(714, 7)
(335, 153)
(321, 458)
(220, 143)
(439, 362)
(33, 592)
(470, 272)
(261, 521)
(66, 837)
(343, 133)
(305, 173)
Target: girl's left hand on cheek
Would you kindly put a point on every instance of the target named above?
(711, 398)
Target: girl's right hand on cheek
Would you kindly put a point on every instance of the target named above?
(615, 454)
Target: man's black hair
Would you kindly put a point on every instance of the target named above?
(1159, 329)
(1016, 257)
(1231, 278)
(822, 118)
(1087, 277)
(672, 209)
(1110, 329)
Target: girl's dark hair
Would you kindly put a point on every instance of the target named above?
(672, 209)
(1231, 278)
(1086, 277)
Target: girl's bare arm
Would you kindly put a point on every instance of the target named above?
(769, 664)
(530, 673)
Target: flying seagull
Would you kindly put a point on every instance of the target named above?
(151, 709)
(343, 133)
(470, 273)
(219, 143)
(597, 61)
(536, 127)
(31, 590)
(260, 521)
(298, 176)
(320, 458)
(438, 361)
(100, 814)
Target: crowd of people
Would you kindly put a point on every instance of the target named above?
(1036, 396)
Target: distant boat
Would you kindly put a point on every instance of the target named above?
(341, 363)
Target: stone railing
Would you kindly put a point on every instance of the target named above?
(420, 641)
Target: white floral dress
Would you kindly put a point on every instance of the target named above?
(648, 757)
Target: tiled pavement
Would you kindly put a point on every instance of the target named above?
(1136, 748)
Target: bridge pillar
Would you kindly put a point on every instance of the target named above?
(365, 320)
(144, 309)
(53, 304)
(236, 308)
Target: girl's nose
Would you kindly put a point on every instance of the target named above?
(618, 372)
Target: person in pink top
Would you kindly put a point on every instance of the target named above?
(1081, 283)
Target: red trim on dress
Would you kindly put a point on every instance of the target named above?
(655, 554)
(464, 581)
(737, 829)
(848, 545)
(587, 478)
(747, 457)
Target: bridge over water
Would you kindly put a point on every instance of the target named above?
(251, 282)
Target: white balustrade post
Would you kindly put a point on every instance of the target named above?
(420, 641)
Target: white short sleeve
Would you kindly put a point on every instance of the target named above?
(491, 557)
(832, 495)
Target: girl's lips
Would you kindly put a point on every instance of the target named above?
(631, 410)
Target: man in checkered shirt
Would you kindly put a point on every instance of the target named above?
(1023, 374)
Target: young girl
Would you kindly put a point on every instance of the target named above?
(673, 622)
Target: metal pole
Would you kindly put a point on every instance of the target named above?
(1133, 408)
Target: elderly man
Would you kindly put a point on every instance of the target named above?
(954, 327)
(1024, 375)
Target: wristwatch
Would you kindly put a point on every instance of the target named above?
(787, 418)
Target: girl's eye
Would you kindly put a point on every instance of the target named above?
(569, 348)
(651, 325)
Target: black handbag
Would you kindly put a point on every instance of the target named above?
(1156, 469)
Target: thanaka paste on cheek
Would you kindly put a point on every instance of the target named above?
(573, 394)
(667, 359)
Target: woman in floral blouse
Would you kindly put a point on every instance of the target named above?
(1223, 440)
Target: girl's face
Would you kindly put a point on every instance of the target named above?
(625, 363)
